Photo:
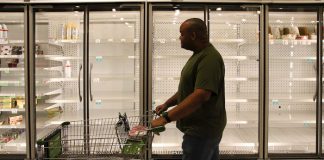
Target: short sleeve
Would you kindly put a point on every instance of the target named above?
(209, 74)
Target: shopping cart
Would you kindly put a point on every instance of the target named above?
(121, 138)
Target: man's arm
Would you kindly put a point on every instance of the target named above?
(186, 107)
(170, 102)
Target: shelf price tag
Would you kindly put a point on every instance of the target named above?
(3, 83)
(275, 102)
(6, 70)
(306, 124)
(98, 102)
(14, 111)
(99, 58)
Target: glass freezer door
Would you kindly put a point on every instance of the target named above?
(58, 65)
(234, 31)
(115, 60)
(292, 79)
(12, 83)
(168, 58)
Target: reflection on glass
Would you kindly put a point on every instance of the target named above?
(292, 81)
(235, 34)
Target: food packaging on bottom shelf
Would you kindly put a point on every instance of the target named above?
(9, 135)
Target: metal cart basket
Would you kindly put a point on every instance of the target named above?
(108, 138)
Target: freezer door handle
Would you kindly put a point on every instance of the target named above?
(79, 84)
(91, 96)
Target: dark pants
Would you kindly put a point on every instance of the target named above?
(195, 148)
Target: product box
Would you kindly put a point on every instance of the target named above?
(15, 120)
(5, 102)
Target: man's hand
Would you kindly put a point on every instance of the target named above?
(161, 108)
(158, 122)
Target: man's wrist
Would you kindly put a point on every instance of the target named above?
(166, 117)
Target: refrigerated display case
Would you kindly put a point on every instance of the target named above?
(12, 83)
(167, 61)
(234, 31)
(88, 64)
(292, 79)
(116, 60)
(58, 54)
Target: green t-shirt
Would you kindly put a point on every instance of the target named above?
(204, 70)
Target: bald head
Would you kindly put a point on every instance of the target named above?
(193, 34)
(199, 27)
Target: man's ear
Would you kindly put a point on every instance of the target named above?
(193, 36)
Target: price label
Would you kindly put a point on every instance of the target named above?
(14, 111)
(3, 83)
(99, 58)
(96, 80)
(275, 102)
(306, 124)
(98, 102)
(6, 70)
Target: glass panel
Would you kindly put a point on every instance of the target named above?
(168, 60)
(115, 56)
(58, 52)
(292, 80)
(12, 83)
(234, 31)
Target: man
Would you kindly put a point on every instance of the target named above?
(200, 99)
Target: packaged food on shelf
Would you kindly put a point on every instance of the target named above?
(67, 69)
(68, 31)
(62, 31)
(17, 50)
(276, 32)
(1, 32)
(313, 36)
(15, 120)
(6, 50)
(285, 31)
(38, 50)
(303, 31)
(302, 37)
(52, 112)
(5, 102)
(12, 63)
(5, 31)
(294, 30)
(75, 31)
(18, 102)
(10, 135)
